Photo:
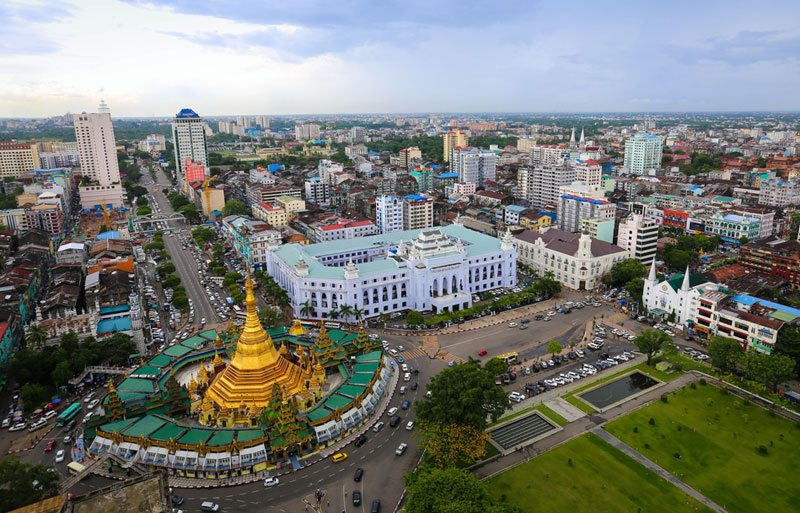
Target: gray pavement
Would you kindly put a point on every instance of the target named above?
(636, 455)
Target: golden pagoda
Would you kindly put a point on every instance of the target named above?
(297, 329)
(255, 367)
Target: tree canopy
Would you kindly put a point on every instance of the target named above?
(450, 490)
(651, 341)
(554, 347)
(235, 208)
(625, 271)
(24, 483)
(725, 353)
(464, 394)
(788, 344)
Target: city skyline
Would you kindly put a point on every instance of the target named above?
(150, 59)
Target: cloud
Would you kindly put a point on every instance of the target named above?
(21, 21)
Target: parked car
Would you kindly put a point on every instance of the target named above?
(401, 449)
(271, 481)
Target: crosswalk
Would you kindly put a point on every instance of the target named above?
(411, 354)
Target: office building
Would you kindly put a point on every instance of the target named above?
(189, 138)
(577, 202)
(576, 260)
(407, 156)
(638, 235)
(417, 212)
(542, 184)
(549, 154)
(153, 142)
(306, 131)
(389, 214)
(434, 270)
(357, 134)
(779, 193)
(642, 153)
(473, 165)
(601, 229)
(272, 214)
(317, 191)
(452, 139)
(344, 229)
(98, 153)
(17, 159)
(262, 122)
(589, 172)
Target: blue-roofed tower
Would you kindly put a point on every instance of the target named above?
(189, 138)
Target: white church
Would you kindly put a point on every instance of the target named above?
(678, 295)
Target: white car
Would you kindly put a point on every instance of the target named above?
(393, 352)
(18, 427)
(404, 367)
(271, 481)
(392, 411)
(60, 456)
(401, 449)
(401, 348)
(410, 425)
(512, 324)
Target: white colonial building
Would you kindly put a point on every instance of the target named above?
(434, 269)
(576, 260)
(678, 295)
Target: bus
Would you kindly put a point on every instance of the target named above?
(239, 313)
(68, 414)
(509, 358)
(75, 468)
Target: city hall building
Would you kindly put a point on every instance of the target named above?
(433, 269)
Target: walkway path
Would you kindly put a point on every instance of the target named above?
(636, 455)
(566, 410)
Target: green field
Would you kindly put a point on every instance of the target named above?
(588, 475)
(717, 437)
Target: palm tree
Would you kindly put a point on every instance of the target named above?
(307, 309)
(36, 336)
(346, 311)
(334, 313)
(358, 313)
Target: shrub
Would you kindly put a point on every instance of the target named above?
(652, 421)
(703, 381)
(693, 386)
(664, 398)
(724, 391)
(646, 446)
(635, 429)
(762, 449)
(680, 428)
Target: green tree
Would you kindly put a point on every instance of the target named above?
(34, 395)
(547, 285)
(554, 347)
(452, 445)
(651, 341)
(62, 373)
(25, 484)
(450, 490)
(144, 211)
(203, 234)
(141, 202)
(677, 259)
(307, 309)
(625, 271)
(414, 318)
(167, 268)
(743, 240)
(36, 336)
(230, 279)
(464, 394)
(635, 288)
(771, 370)
(270, 317)
(788, 344)
(235, 208)
(725, 353)
(190, 212)
(496, 366)
(171, 281)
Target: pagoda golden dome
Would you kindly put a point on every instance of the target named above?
(255, 366)
(217, 359)
(297, 329)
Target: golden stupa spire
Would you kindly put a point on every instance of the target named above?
(217, 359)
(297, 328)
(110, 385)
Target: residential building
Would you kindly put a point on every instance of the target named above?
(17, 158)
(249, 239)
(193, 172)
(525, 145)
(436, 269)
(577, 202)
(417, 212)
(344, 229)
(291, 205)
(542, 184)
(306, 131)
(389, 214)
(98, 153)
(257, 193)
(576, 260)
(587, 171)
(272, 214)
(775, 257)
(733, 227)
(675, 218)
(424, 177)
(512, 213)
(642, 153)
(357, 134)
(327, 169)
(14, 218)
(676, 297)
(779, 193)
(465, 189)
(536, 222)
(189, 138)
(56, 159)
(153, 143)
(601, 229)
(452, 139)
(317, 191)
(638, 235)
(551, 155)
(407, 156)
(473, 164)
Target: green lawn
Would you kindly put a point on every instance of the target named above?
(555, 417)
(578, 403)
(550, 414)
(599, 479)
(718, 437)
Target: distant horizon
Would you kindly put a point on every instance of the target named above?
(148, 57)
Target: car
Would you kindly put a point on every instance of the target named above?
(401, 449)
(702, 357)
(523, 326)
(410, 425)
(407, 376)
(339, 456)
(482, 352)
(50, 446)
(89, 397)
(525, 321)
(580, 353)
(177, 500)
(414, 385)
(402, 390)
(376, 506)
(60, 456)
(404, 367)
(401, 348)
(451, 363)
(358, 475)
(18, 426)
(356, 497)
(377, 427)
(400, 359)
(209, 506)
(405, 405)
(512, 324)
(93, 404)
(361, 440)
(543, 365)
(271, 481)
(395, 421)
(392, 411)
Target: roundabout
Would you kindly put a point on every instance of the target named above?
(240, 404)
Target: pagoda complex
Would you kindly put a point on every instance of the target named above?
(256, 370)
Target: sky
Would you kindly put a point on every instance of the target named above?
(270, 57)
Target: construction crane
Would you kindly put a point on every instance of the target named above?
(207, 192)
(106, 216)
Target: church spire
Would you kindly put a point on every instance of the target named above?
(572, 138)
(582, 140)
(652, 276)
(685, 285)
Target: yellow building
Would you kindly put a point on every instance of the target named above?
(247, 383)
(272, 214)
(451, 140)
(535, 222)
(17, 159)
(291, 204)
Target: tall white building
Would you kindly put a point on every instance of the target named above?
(642, 153)
(98, 154)
(779, 193)
(326, 169)
(417, 212)
(357, 134)
(262, 122)
(549, 154)
(244, 121)
(639, 236)
(306, 131)
(577, 202)
(587, 171)
(189, 137)
(389, 214)
(473, 165)
(317, 191)
(542, 184)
